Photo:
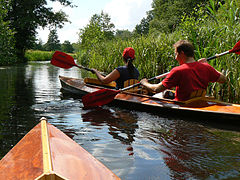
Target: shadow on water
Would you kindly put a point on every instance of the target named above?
(133, 144)
(16, 116)
(121, 125)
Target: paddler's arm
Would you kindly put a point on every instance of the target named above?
(153, 87)
(222, 78)
(109, 78)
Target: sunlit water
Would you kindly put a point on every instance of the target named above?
(134, 145)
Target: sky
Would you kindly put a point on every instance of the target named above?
(124, 14)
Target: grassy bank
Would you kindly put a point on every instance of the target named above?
(37, 55)
(210, 34)
(156, 56)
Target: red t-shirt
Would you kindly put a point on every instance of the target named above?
(190, 77)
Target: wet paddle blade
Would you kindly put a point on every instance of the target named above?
(236, 48)
(60, 64)
(63, 60)
(99, 98)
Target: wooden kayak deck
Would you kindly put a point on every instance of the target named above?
(47, 153)
(205, 106)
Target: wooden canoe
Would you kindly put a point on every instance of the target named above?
(47, 153)
(199, 107)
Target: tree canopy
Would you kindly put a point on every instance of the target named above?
(7, 42)
(53, 42)
(67, 47)
(167, 14)
(25, 16)
(99, 29)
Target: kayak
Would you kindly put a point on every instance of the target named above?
(47, 153)
(206, 108)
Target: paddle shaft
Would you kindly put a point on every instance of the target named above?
(71, 63)
(218, 55)
(82, 67)
(63, 60)
(104, 96)
(151, 79)
(165, 74)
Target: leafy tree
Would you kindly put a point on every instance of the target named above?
(143, 27)
(123, 34)
(99, 29)
(53, 42)
(26, 16)
(7, 43)
(67, 47)
(38, 45)
(167, 13)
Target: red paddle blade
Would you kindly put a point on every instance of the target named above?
(63, 60)
(236, 48)
(99, 98)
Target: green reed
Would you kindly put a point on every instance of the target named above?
(155, 53)
(37, 55)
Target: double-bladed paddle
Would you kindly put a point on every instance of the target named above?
(63, 60)
(105, 96)
(235, 49)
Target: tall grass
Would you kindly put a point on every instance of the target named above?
(36, 55)
(210, 34)
(153, 55)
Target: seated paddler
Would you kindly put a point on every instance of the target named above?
(122, 73)
(189, 76)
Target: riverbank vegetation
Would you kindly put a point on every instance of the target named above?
(18, 26)
(39, 55)
(211, 25)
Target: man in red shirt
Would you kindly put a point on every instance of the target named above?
(189, 76)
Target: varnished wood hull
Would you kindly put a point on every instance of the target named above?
(201, 107)
(47, 153)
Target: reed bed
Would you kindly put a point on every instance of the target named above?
(37, 55)
(155, 53)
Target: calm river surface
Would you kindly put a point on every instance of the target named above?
(134, 145)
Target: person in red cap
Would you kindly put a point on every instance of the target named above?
(121, 73)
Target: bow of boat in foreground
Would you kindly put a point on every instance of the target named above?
(47, 153)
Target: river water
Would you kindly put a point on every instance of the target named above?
(133, 144)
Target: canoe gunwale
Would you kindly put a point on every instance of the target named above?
(55, 158)
(168, 104)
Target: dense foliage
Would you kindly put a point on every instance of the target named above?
(212, 26)
(67, 47)
(7, 42)
(53, 42)
(25, 16)
(167, 14)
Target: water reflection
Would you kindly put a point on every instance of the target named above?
(121, 125)
(133, 144)
(191, 151)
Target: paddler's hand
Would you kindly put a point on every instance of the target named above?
(203, 60)
(144, 82)
(93, 71)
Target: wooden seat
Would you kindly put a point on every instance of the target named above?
(130, 82)
(137, 89)
(198, 93)
(97, 82)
